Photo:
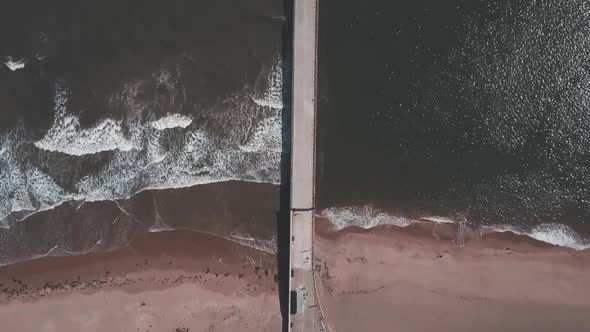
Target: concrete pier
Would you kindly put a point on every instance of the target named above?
(302, 304)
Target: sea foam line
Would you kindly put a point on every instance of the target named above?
(369, 217)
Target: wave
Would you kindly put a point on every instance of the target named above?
(362, 216)
(559, 235)
(67, 136)
(369, 216)
(237, 139)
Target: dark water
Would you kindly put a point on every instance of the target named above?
(104, 100)
(474, 109)
(95, 46)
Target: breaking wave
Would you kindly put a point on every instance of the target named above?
(238, 138)
(559, 235)
(362, 216)
(67, 136)
(368, 217)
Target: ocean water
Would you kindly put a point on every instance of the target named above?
(103, 100)
(471, 111)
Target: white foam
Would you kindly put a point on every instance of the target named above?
(362, 216)
(266, 137)
(559, 235)
(13, 197)
(369, 217)
(146, 153)
(14, 65)
(273, 93)
(172, 121)
(23, 187)
(555, 234)
(67, 136)
(439, 219)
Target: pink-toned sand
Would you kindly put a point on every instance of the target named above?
(166, 281)
(408, 279)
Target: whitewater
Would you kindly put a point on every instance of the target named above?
(238, 138)
(369, 216)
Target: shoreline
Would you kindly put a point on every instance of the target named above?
(239, 208)
(154, 273)
(418, 279)
(368, 217)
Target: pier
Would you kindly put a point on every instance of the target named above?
(302, 299)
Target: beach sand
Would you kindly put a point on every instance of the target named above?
(163, 281)
(418, 279)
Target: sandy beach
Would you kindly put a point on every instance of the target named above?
(163, 281)
(417, 279)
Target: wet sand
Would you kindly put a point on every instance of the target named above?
(418, 279)
(163, 281)
(232, 208)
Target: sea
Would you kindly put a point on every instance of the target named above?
(128, 116)
(461, 111)
(118, 117)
